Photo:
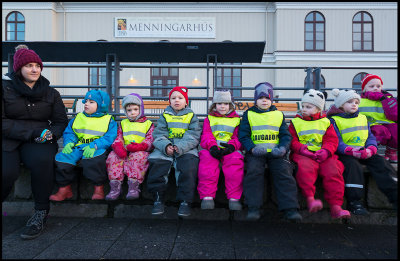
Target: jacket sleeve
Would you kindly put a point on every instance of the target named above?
(390, 107)
(69, 135)
(245, 133)
(59, 119)
(341, 146)
(207, 138)
(160, 135)
(295, 144)
(191, 138)
(108, 138)
(120, 137)
(284, 135)
(371, 140)
(330, 140)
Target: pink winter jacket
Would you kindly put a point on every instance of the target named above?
(389, 105)
(148, 140)
(207, 138)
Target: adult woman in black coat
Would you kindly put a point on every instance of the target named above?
(33, 118)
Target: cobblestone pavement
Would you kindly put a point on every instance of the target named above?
(129, 238)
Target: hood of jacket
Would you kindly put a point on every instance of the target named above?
(334, 111)
(171, 111)
(231, 114)
(313, 117)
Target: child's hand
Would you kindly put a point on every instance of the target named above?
(259, 151)
(88, 152)
(228, 148)
(375, 96)
(216, 152)
(278, 151)
(120, 150)
(368, 152)
(305, 152)
(355, 152)
(321, 155)
(176, 149)
(169, 150)
(68, 148)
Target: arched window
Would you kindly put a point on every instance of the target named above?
(313, 82)
(356, 84)
(15, 27)
(314, 32)
(363, 32)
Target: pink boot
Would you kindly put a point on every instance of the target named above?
(313, 205)
(391, 154)
(338, 212)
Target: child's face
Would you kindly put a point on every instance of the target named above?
(90, 106)
(308, 109)
(132, 111)
(373, 85)
(222, 108)
(351, 106)
(177, 101)
(263, 103)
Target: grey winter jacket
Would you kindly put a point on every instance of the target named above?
(187, 144)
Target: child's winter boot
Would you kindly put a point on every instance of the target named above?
(98, 193)
(184, 209)
(133, 189)
(253, 213)
(338, 212)
(207, 203)
(234, 204)
(391, 154)
(158, 207)
(62, 194)
(292, 215)
(115, 190)
(313, 205)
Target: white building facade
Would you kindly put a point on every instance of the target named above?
(314, 34)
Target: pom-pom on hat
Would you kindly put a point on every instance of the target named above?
(367, 78)
(182, 90)
(223, 97)
(341, 97)
(136, 99)
(264, 89)
(100, 97)
(314, 97)
(23, 55)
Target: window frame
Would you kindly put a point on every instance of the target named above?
(164, 79)
(222, 79)
(362, 41)
(313, 82)
(15, 22)
(358, 83)
(314, 22)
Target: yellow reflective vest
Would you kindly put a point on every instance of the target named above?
(374, 112)
(222, 128)
(265, 128)
(311, 133)
(134, 131)
(177, 125)
(88, 129)
(354, 131)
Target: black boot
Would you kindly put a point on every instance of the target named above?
(158, 207)
(357, 208)
(35, 225)
(292, 215)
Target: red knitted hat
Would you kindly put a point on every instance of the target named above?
(367, 78)
(23, 56)
(182, 90)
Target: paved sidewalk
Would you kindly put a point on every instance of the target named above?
(128, 238)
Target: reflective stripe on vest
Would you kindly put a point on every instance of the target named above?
(134, 131)
(265, 128)
(374, 112)
(177, 125)
(354, 131)
(88, 129)
(222, 128)
(311, 133)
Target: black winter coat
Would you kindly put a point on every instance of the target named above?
(27, 112)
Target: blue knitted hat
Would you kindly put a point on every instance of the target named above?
(100, 97)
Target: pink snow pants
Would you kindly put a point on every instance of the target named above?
(233, 169)
(134, 166)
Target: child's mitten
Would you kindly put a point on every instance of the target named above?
(133, 147)
(321, 155)
(375, 96)
(259, 151)
(355, 152)
(368, 152)
(68, 148)
(228, 148)
(278, 151)
(88, 152)
(44, 136)
(305, 152)
(119, 149)
(215, 152)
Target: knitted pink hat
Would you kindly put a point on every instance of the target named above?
(23, 56)
(367, 78)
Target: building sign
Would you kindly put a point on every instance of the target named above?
(165, 27)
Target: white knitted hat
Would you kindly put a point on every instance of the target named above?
(223, 97)
(341, 97)
(314, 97)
